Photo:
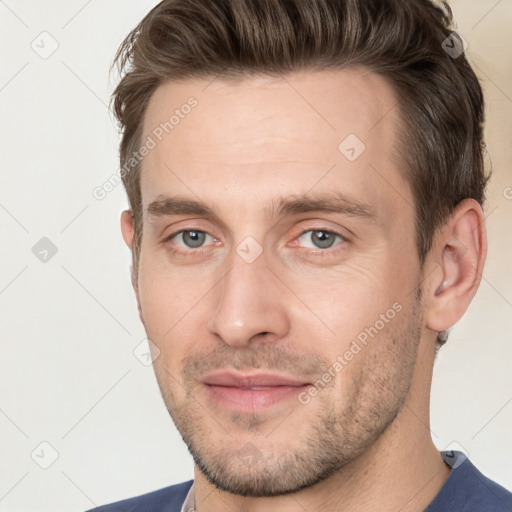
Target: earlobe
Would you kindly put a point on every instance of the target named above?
(460, 255)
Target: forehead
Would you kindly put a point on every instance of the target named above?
(265, 135)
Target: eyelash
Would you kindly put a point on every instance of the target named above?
(316, 253)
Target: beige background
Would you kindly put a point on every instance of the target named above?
(68, 375)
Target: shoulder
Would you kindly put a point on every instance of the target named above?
(485, 494)
(168, 499)
(468, 490)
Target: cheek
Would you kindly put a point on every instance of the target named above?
(359, 313)
(346, 300)
(173, 306)
(155, 302)
(163, 303)
(376, 363)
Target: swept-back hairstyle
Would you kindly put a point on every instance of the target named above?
(409, 42)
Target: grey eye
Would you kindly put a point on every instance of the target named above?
(193, 239)
(319, 238)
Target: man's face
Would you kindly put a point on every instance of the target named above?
(287, 332)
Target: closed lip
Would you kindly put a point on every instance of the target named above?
(250, 380)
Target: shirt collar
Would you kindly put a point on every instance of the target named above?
(190, 501)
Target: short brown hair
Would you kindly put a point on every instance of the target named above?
(405, 41)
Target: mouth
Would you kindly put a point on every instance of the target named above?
(255, 392)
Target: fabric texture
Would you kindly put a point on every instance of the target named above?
(468, 490)
(168, 499)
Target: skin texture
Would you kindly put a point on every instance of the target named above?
(305, 298)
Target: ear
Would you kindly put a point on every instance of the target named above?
(459, 254)
(127, 230)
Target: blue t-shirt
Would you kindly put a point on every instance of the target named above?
(465, 490)
(468, 490)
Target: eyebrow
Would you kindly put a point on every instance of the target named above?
(333, 202)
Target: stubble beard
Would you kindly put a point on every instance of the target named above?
(335, 436)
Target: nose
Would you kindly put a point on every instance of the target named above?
(251, 304)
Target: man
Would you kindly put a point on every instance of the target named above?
(306, 185)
